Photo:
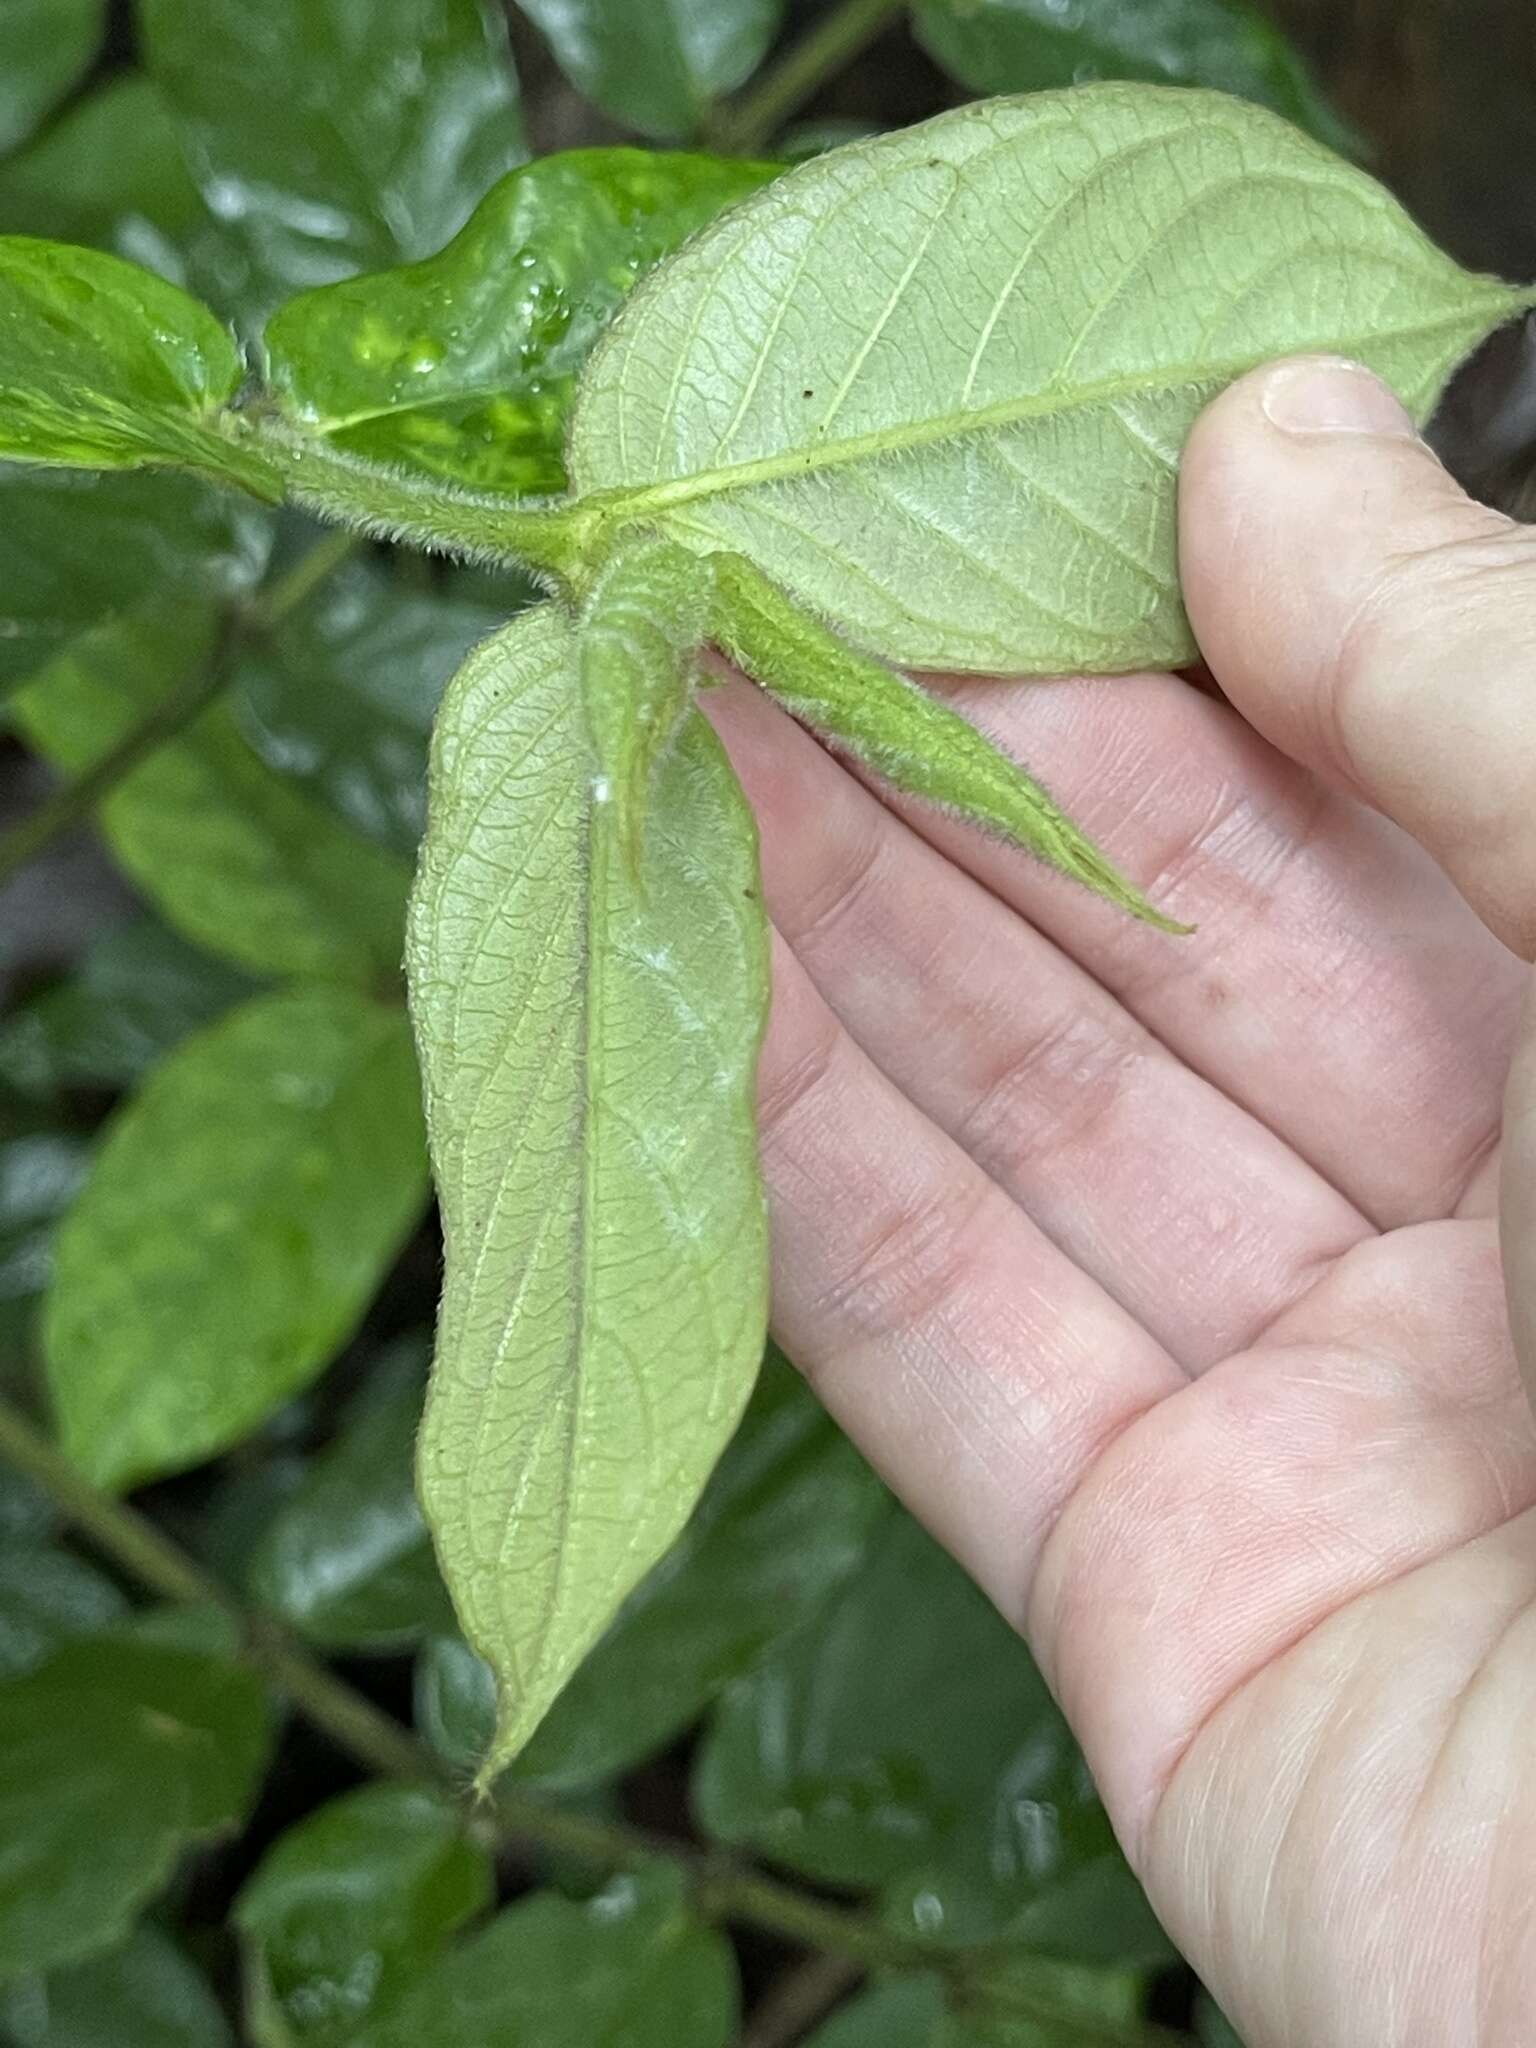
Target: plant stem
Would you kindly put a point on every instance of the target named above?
(76, 801)
(842, 34)
(442, 518)
(723, 1888)
(798, 2000)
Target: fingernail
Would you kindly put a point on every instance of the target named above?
(1331, 395)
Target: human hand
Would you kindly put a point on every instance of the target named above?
(1162, 1278)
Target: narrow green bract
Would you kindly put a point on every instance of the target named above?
(935, 385)
(589, 1045)
(903, 732)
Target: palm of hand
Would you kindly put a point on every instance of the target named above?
(1162, 1280)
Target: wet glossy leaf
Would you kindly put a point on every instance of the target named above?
(348, 1908)
(909, 1743)
(912, 2012)
(347, 1558)
(144, 1994)
(48, 1595)
(1212, 2028)
(106, 366)
(657, 68)
(632, 1966)
(239, 1216)
(464, 364)
(589, 1042)
(230, 853)
(343, 697)
(78, 550)
(41, 1172)
(137, 991)
(132, 1746)
(330, 136)
(963, 446)
(1026, 45)
(48, 44)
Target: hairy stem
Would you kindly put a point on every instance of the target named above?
(77, 800)
(841, 36)
(724, 1889)
(440, 517)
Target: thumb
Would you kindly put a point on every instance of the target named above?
(1380, 626)
(1370, 618)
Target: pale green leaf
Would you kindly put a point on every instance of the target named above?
(589, 1048)
(115, 1756)
(238, 1219)
(657, 67)
(961, 444)
(903, 731)
(106, 366)
(347, 1909)
(46, 45)
(144, 1994)
(463, 365)
(233, 855)
(633, 1966)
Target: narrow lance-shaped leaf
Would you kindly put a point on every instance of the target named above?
(238, 1219)
(464, 364)
(106, 366)
(639, 653)
(589, 1048)
(902, 732)
(962, 445)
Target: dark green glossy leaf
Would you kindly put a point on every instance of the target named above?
(909, 1743)
(107, 366)
(144, 1994)
(347, 1910)
(657, 67)
(1212, 2028)
(239, 1217)
(228, 851)
(138, 991)
(76, 551)
(347, 1558)
(115, 1756)
(1228, 45)
(47, 45)
(464, 365)
(41, 1172)
(632, 1966)
(342, 698)
(1034, 2003)
(330, 136)
(48, 1595)
(110, 173)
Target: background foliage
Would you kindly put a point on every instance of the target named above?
(809, 1787)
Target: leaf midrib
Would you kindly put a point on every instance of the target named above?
(626, 504)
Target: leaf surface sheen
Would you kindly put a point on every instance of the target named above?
(589, 1043)
(657, 66)
(951, 370)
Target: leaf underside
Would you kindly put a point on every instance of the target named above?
(589, 1042)
(950, 370)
